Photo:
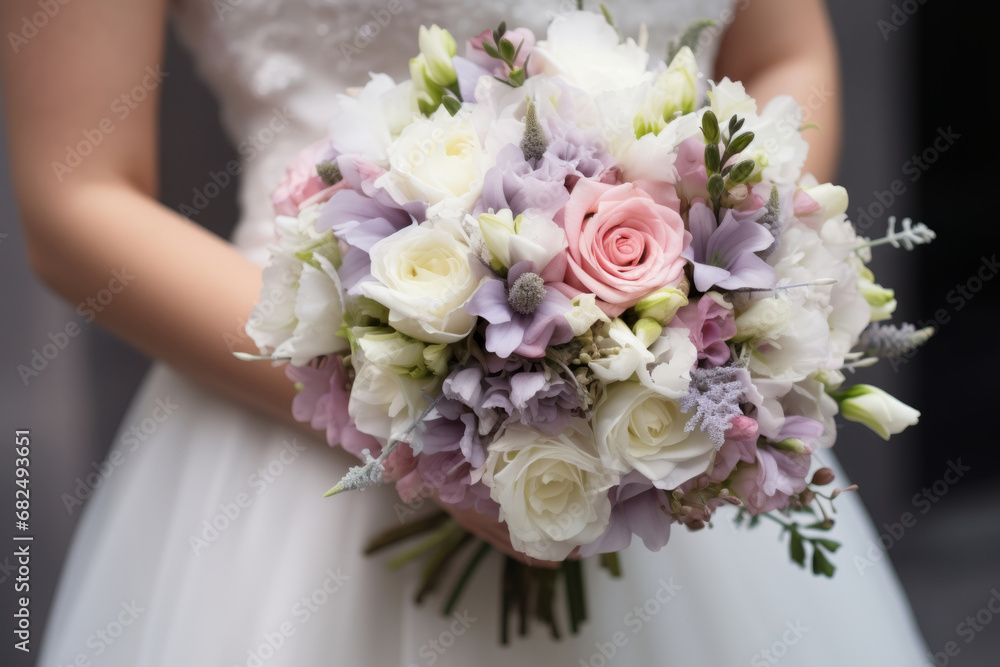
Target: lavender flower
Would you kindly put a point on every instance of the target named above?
(638, 508)
(723, 255)
(715, 394)
(515, 390)
(363, 216)
(516, 184)
(889, 340)
(525, 316)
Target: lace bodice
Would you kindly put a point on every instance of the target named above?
(277, 65)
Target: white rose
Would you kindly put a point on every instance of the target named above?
(384, 403)
(876, 409)
(424, 276)
(587, 52)
(438, 160)
(552, 491)
(636, 427)
(301, 301)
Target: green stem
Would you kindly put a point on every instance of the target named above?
(436, 538)
(403, 532)
(456, 592)
(611, 562)
(438, 563)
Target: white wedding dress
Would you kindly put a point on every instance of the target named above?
(211, 544)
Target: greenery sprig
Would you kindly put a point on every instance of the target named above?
(504, 50)
(723, 176)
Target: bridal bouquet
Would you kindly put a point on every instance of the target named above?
(579, 289)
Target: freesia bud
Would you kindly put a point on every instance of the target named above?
(763, 319)
(882, 300)
(661, 305)
(497, 229)
(647, 330)
(831, 198)
(876, 409)
(438, 47)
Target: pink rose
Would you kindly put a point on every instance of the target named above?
(622, 244)
(302, 186)
(710, 323)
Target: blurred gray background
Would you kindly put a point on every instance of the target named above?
(904, 70)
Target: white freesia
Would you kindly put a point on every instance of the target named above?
(424, 276)
(552, 490)
(824, 320)
(881, 300)
(728, 98)
(367, 124)
(301, 300)
(669, 373)
(587, 52)
(438, 160)
(762, 319)
(675, 92)
(638, 428)
(876, 409)
(529, 237)
(384, 403)
(623, 353)
(651, 158)
(584, 314)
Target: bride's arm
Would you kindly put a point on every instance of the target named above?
(780, 47)
(186, 289)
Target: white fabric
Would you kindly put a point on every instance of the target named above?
(283, 582)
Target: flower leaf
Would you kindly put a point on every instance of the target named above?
(821, 565)
(797, 549)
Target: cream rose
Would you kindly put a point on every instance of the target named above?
(438, 160)
(638, 428)
(552, 491)
(424, 276)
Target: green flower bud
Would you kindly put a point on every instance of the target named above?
(647, 330)
(882, 300)
(438, 47)
(661, 305)
(876, 409)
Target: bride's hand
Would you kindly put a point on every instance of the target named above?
(489, 529)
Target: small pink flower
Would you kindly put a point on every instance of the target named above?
(710, 323)
(622, 244)
(302, 186)
(475, 52)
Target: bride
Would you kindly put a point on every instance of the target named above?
(213, 546)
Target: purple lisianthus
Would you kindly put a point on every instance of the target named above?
(525, 315)
(723, 255)
(516, 184)
(637, 508)
(777, 472)
(504, 391)
(710, 323)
